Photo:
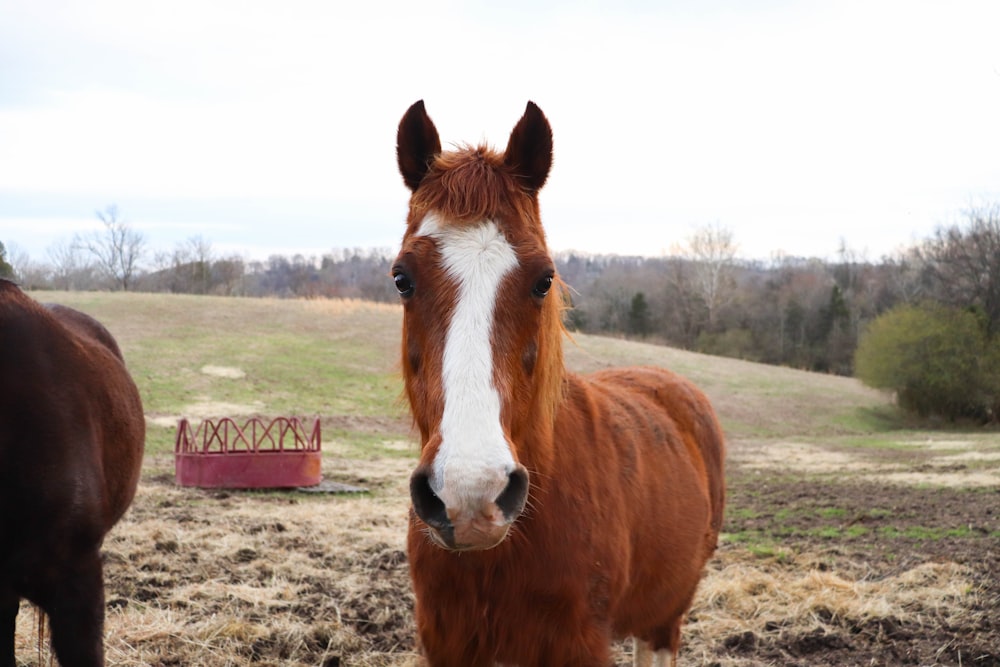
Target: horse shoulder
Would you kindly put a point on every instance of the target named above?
(84, 326)
(669, 446)
(678, 401)
(68, 386)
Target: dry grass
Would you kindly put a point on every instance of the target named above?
(800, 596)
(218, 579)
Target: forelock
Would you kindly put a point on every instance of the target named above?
(470, 184)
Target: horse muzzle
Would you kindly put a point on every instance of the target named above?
(477, 518)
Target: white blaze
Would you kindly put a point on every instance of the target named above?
(473, 450)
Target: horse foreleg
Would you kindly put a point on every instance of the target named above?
(665, 658)
(9, 603)
(74, 602)
(643, 655)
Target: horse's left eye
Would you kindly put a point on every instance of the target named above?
(542, 287)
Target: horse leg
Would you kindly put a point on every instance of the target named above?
(665, 658)
(642, 653)
(74, 602)
(9, 603)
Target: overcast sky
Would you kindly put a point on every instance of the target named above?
(269, 127)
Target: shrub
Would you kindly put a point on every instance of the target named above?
(937, 359)
(735, 343)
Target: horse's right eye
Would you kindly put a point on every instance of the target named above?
(403, 284)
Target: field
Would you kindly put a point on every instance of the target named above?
(852, 536)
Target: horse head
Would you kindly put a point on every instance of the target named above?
(481, 325)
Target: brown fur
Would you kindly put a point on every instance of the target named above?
(71, 443)
(626, 466)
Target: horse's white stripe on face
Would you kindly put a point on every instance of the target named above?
(473, 450)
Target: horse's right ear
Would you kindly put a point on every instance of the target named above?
(417, 143)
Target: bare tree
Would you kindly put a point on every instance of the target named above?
(684, 316)
(712, 251)
(200, 251)
(117, 250)
(69, 268)
(229, 274)
(963, 264)
(191, 266)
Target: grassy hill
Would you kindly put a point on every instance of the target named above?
(202, 356)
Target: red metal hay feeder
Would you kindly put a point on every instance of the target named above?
(258, 455)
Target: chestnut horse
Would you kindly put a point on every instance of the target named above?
(551, 512)
(72, 434)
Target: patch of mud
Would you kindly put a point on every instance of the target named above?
(798, 457)
(400, 445)
(207, 409)
(959, 470)
(955, 480)
(374, 425)
(971, 457)
(223, 372)
(931, 443)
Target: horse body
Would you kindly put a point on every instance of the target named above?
(605, 552)
(551, 512)
(71, 441)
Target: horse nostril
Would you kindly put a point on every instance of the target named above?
(426, 504)
(512, 499)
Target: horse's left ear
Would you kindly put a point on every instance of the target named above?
(529, 150)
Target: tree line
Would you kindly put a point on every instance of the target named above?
(805, 313)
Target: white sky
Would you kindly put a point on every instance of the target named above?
(270, 126)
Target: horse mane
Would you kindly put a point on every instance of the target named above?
(550, 370)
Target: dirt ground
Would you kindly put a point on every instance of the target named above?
(814, 569)
(875, 535)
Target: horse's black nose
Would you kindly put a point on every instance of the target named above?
(477, 523)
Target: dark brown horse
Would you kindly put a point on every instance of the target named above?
(72, 433)
(551, 512)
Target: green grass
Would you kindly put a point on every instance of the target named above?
(925, 534)
(301, 358)
(353, 444)
(741, 513)
(302, 374)
(872, 419)
(767, 539)
(755, 400)
(758, 544)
